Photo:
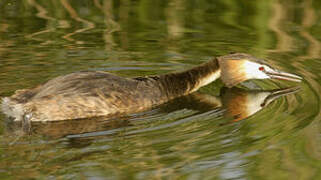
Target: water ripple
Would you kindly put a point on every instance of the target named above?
(214, 133)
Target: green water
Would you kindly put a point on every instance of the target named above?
(188, 138)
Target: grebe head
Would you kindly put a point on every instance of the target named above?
(239, 67)
(241, 103)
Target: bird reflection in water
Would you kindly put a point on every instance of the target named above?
(234, 104)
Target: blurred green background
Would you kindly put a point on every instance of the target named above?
(41, 39)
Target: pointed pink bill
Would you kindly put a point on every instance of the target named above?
(283, 76)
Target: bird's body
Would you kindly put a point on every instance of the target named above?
(82, 95)
(93, 94)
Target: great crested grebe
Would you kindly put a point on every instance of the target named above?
(82, 95)
(234, 104)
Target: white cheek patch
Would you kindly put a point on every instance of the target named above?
(254, 102)
(252, 70)
(267, 68)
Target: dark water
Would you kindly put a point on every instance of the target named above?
(193, 137)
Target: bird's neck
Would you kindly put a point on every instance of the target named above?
(182, 83)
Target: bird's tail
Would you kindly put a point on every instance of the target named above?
(12, 109)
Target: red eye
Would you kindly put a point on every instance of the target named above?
(261, 68)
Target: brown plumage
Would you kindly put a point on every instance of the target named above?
(233, 103)
(93, 94)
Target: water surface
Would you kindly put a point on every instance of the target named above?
(193, 137)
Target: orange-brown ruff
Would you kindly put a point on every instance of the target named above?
(94, 94)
